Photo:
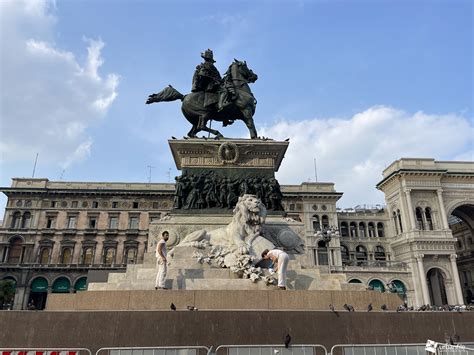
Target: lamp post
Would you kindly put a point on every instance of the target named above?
(326, 234)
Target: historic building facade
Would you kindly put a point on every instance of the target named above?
(57, 234)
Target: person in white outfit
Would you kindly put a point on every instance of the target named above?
(161, 261)
(280, 261)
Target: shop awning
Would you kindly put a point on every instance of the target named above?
(39, 285)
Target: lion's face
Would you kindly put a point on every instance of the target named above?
(250, 212)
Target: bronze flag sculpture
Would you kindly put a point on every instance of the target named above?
(214, 98)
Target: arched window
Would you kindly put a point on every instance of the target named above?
(344, 254)
(25, 221)
(361, 253)
(344, 229)
(325, 221)
(66, 256)
(44, 256)
(399, 216)
(395, 222)
(377, 285)
(316, 224)
(429, 219)
(380, 231)
(353, 229)
(109, 256)
(379, 253)
(15, 252)
(362, 230)
(131, 256)
(371, 228)
(16, 220)
(61, 285)
(87, 256)
(420, 224)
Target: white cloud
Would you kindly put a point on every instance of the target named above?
(49, 97)
(353, 152)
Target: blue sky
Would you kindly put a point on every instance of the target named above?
(354, 84)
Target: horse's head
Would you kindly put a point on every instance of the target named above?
(240, 68)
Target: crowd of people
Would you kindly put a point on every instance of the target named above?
(433, 308)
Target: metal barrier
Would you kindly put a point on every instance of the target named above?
(45, 351)
(157, 350)
(298, 349)
(394, 349)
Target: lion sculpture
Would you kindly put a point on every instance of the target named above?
(242, 235)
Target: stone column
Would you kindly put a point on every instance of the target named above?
(119, 253)
(98, 252)
(424, 284)
(404, 224)
(411, 211)
(441, 208)
(457, 282)
(76, 255)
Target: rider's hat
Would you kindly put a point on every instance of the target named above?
(207, 54)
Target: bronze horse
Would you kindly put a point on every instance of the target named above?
(193, 108)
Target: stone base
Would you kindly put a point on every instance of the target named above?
(273, 299)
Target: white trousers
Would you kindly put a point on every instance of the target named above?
(161, 275)
(282, 266)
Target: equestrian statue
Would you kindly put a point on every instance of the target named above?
(224, 99)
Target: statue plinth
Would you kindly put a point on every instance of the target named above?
(190, 154)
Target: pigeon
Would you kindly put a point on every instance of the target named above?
(331, 307)
(348, 307)
(173, 137)
(287, 140)
(384, 307)
(369, 307)
(172, 306)
(287, 340)
(191, 308)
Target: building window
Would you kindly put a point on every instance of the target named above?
(420, 224)
(292, 206)
(44, 256)
(371, 228)
(135, 204)
(156, 205)
(15, 252)
(399, 217)
(316, 224)
(93, 222)
(53, 203)
(87, 256)
(353, 229)
(155, 217)
(28, 203)
(325, 221)
(66, 256)
(133, 223)
(429, 219)
(95, 204)
(16, 220)
(114, 204)
(113, 222)
(109, 256)
(74, 204)
(50, 222)
(379, 253)
(25, 220)
(130, 256)
(322, 253)
(380, 230)
(395, 222)
(362, 230)
(361, 253)
(71, 222)
(344, 254)
(344, 229)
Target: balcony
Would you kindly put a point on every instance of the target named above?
(70, 231)
(111, 232)
(90, 231)
(132, 232)
(48, 231)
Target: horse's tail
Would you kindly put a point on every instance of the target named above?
(167, 94)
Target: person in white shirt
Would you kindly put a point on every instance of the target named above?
(280, 261)
(161, 261)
